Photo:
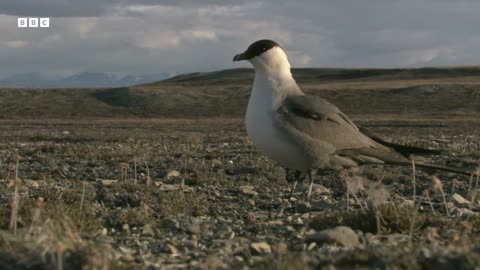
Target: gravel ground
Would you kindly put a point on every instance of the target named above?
(194, 194)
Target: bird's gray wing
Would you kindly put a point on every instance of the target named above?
(404, 150)
(313, 121)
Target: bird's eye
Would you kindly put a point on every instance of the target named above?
(264, 48)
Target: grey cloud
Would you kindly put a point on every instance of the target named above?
(166, 36)
(90, 8)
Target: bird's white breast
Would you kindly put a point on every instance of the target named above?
(265, 134)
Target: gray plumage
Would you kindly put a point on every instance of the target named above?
(332, 140)
(307, 132)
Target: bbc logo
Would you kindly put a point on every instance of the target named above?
(33, 22)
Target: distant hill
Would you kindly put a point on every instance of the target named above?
(427, 92)
(307, 75)
(79, 80)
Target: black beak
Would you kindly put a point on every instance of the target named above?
(239, 57)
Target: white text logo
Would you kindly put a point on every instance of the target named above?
(33, 22)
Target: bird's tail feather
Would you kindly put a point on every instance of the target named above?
(404, 150)
(443, 168)
(439, 168)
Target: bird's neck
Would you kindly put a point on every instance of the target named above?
(274, 87)
(275, 66)
(278, 77)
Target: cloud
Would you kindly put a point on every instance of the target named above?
(15, 44)
(149, 36)
(96, 8)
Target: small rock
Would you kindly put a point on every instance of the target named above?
(107, 182)
(464, 212)
(172, 249)
(459, 199)
(173, 174)
(32, 184)
(320, 189)
(248, 190)
(341, 235)
(147, 230)
(261, 248)
(311, 246)
(216, 164)
(239, 259)
(126, 227)
(299, 221)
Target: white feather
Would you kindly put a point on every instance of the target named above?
(273, 81)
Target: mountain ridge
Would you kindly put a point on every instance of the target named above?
(86, 79)
(441, 93)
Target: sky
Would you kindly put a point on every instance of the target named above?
(148, 36)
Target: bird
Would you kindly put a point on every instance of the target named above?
(306, 132)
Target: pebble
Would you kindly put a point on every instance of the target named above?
(460, 199)
(463, 212)
(147, 230)
(32, 184)
(173, 174)
(261, 248)
(216, 164)
(172, 249)
(320, 189)
(107, 182)
(248, 190)
(341, 235)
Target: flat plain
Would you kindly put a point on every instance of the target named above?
(163, 176)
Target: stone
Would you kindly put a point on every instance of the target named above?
(32, 184)
(107, 182)
(459, 199)
(173, 174)
(320, 189)
(147, 230)
(261, 248)
(216, 164)
(248, 190)
(463, 212)
(341, 235)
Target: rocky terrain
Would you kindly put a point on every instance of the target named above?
(171, 194)
(139, 191)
